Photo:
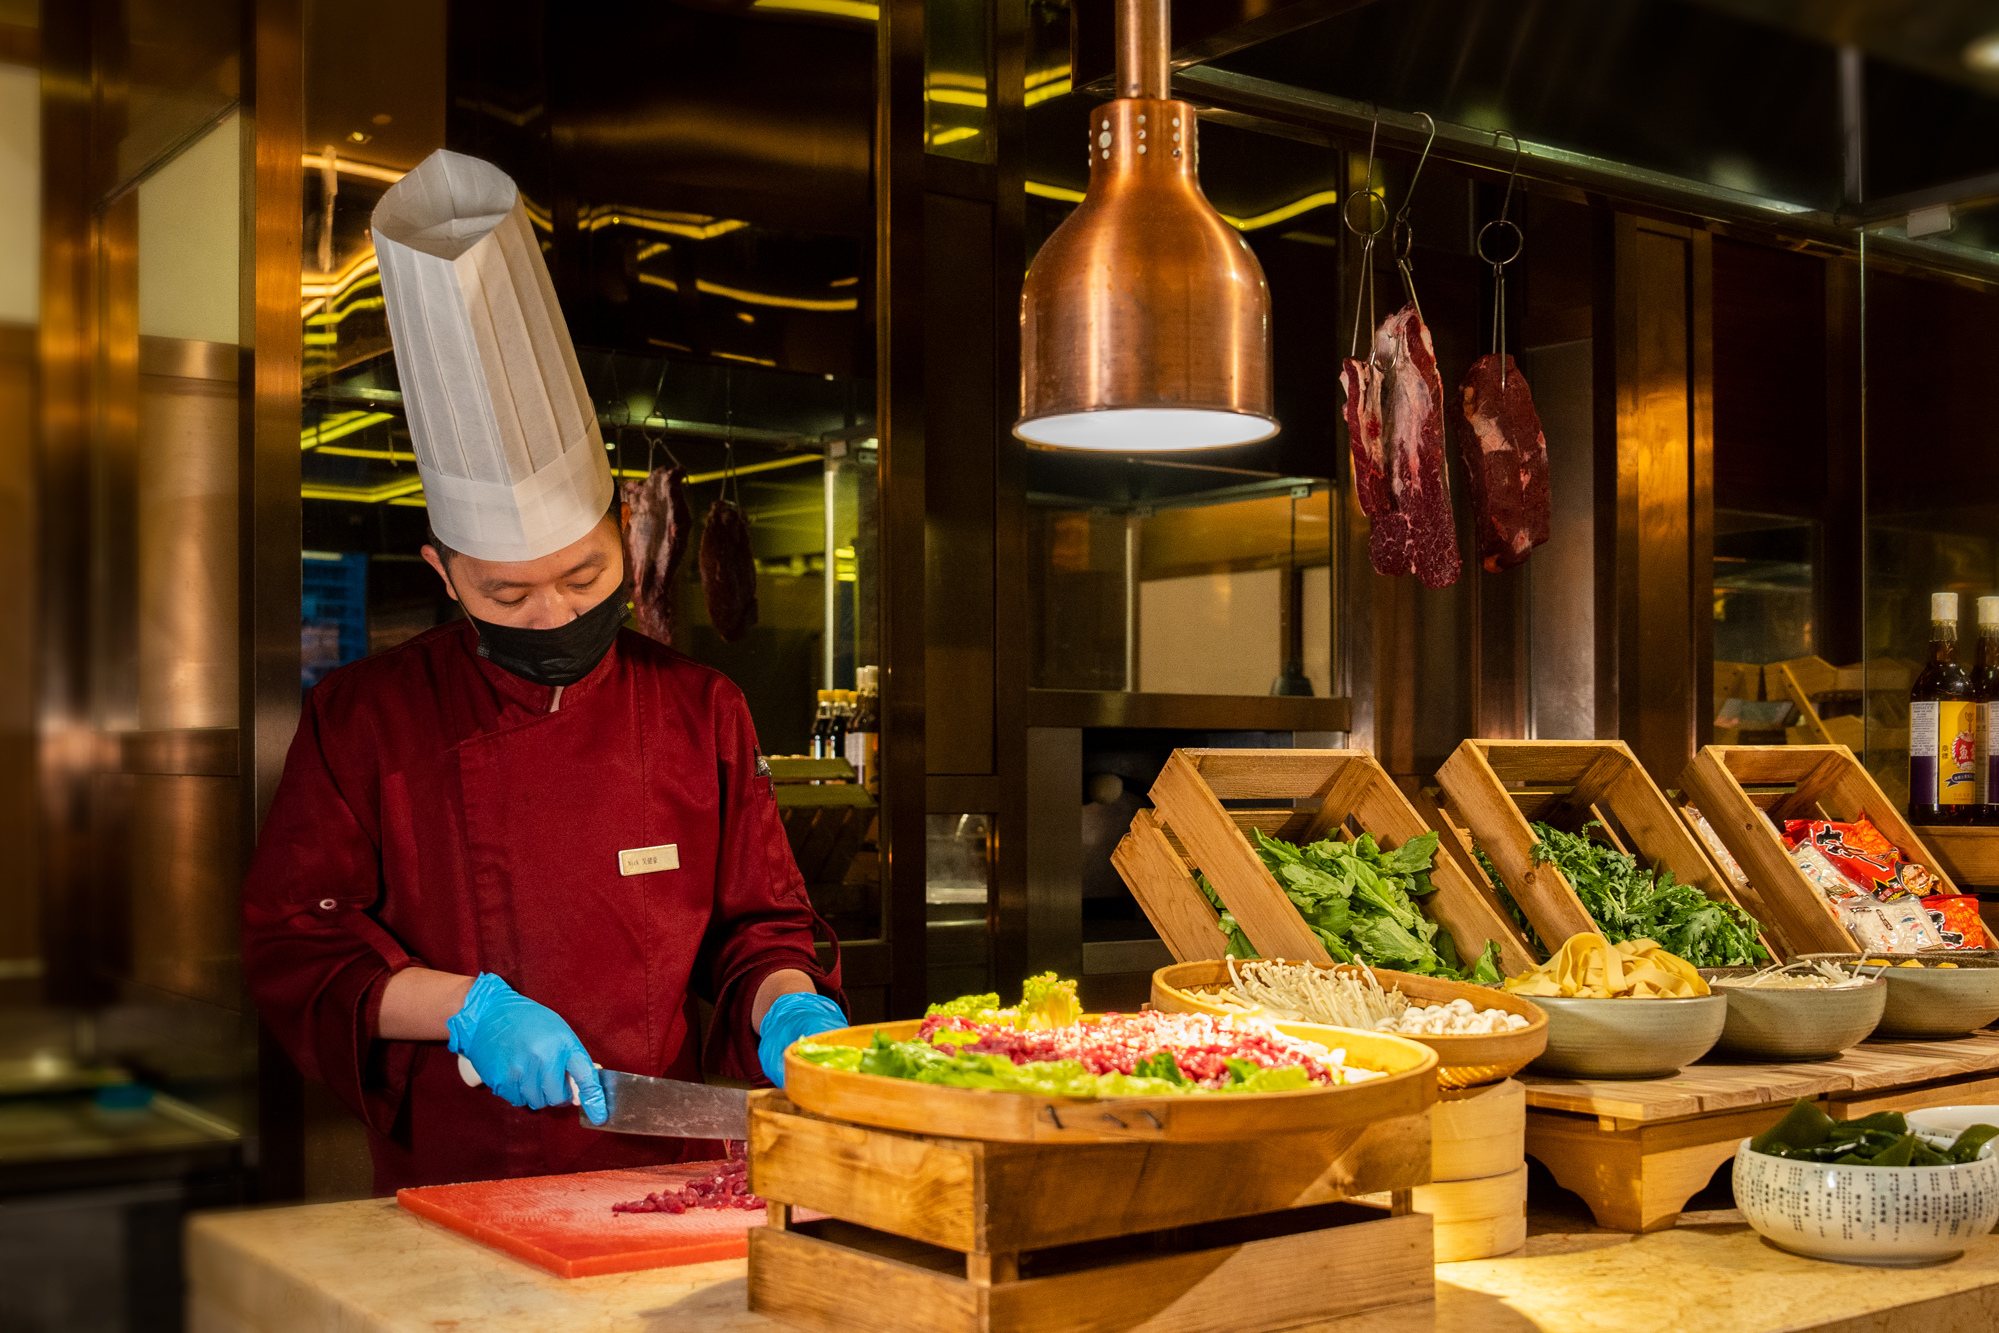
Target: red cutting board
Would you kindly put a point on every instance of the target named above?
(565, 1224)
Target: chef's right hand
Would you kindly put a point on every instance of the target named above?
(523, 1051)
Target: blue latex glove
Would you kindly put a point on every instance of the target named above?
(523, 1051)
(790, 1017)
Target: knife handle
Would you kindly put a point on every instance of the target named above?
(472, 1080)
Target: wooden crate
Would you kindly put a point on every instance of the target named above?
(1303, 795)
(932, 1233)
(1734, 786)
(1498, 788)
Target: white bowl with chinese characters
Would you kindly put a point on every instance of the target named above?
(1885, 1216)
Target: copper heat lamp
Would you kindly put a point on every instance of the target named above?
(1145, 322)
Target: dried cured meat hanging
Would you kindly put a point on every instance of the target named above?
(655, 544)
(728, 565)
(1499, 434)
(1395, 423)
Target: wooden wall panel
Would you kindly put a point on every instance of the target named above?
(1654, 498)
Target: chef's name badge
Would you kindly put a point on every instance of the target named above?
(645, 860)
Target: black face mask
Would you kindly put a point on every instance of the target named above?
(559, 656)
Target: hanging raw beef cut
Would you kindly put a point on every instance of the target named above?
(1388, 531)
(655, 544)
(1395, 418)
(1506, 456)
(729, 571)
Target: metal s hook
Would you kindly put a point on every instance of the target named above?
(1369, 236)
(1498, 264)
(1369, 193)
(1403, 236)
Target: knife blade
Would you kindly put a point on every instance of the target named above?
(670, 1107)
(664, 1107)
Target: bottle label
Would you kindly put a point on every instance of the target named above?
(1922, 752)
(1957, 752)
(1988, 752)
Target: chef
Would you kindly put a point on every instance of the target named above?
(523, 844)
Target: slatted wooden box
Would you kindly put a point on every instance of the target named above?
(1301, 796)
(1497, 789)
(1734, 785)
(942, 1234)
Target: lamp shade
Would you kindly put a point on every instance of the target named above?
(1145, 321)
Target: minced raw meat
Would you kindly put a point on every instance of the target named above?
(727, 1186)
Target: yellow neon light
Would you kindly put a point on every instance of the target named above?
(1036, 96)
(1286, 212)
(751, 298)
(332, 284)
(700, 478)
(368, 495)
(338, 425)
(846, 9)
(694, 226)
(843, 282)
(656, 248)
(955, 97)
(955, 134)
(738, 356)
(331, 317)
(349, 167)
(1261, 220)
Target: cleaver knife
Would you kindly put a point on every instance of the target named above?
(666, 1107)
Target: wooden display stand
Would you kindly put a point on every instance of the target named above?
(929, 1233)
(1306, 795)
(1498, 788)
(1736, 785)
(1637, 1150)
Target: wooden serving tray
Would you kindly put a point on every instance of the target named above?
(1303, 795)
(1014, 1117)
(1462, 1061)
(947, 1234)
(1497, 788)
(1734, 785)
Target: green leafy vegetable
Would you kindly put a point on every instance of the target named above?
(1361, 904)
(1808, 1134)
(1628, 902)
(1045, 1002)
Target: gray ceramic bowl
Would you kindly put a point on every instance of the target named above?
(1932, 1001)
(1628, 1038)
(1767, 1024)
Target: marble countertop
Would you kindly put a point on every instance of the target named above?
(370, 1267)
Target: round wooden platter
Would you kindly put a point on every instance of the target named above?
(1406, 1087)
(1462, 1061)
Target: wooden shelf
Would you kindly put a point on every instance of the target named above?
(1968, 855)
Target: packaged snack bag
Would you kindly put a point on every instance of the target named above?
(1957, 921)
(1834, 887)
(1863, 856)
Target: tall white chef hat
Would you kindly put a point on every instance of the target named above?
(506, 439)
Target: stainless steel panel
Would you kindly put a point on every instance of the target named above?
(1561, 605)
(186, 502)
(181, 866)
(1104, 957)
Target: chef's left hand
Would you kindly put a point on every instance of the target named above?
(789, 1018)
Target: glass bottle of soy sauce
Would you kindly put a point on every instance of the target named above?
(1985, 690)
(1943, 729)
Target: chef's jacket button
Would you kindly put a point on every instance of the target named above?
(327, 904)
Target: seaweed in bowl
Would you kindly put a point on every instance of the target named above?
(1808, 1134)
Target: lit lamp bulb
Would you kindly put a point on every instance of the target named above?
(1145, 321)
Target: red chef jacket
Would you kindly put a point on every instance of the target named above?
(435, 811)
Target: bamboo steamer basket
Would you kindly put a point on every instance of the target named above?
(1407, 1087)
(1462, 1061)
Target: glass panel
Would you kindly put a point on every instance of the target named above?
(957, 897)
(1137, 597)
(715, 289)
(956, 88)
(1931, 335)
